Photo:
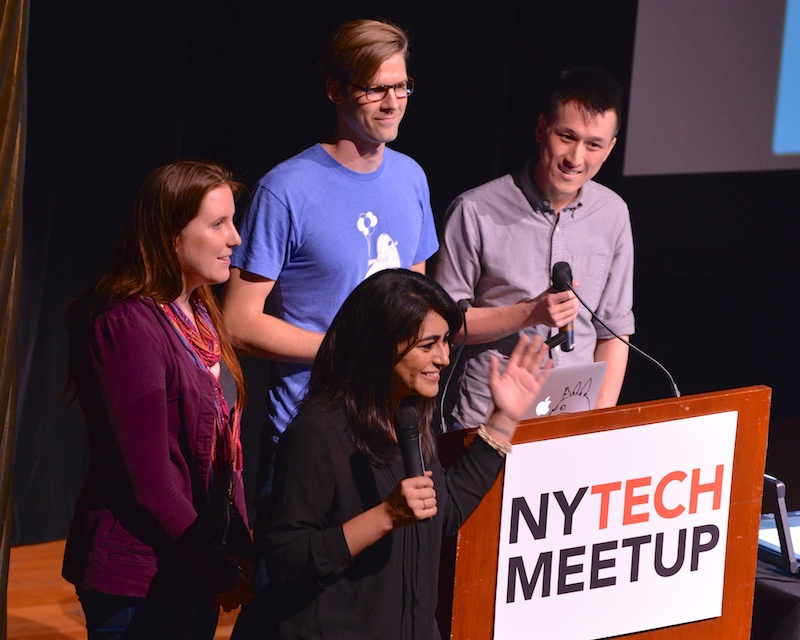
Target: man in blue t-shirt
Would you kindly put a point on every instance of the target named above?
(327, 218)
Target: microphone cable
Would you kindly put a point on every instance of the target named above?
(675, 392)
(463, 305)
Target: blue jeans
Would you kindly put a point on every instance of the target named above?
(112, 617)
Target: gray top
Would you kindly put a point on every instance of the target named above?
(500, 243)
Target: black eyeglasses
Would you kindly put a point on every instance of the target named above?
(377, 92)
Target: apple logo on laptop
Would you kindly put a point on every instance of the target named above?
(543, 408)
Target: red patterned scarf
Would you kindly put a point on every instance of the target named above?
(202, 341)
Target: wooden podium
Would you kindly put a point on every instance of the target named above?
(476, 562)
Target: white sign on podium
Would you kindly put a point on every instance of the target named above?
(615, 532)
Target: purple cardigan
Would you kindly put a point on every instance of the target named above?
(143, 521)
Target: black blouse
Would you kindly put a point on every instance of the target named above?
(390, 590)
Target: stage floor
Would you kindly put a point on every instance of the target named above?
(43, 606)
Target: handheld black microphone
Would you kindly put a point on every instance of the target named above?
(406, 426)
(562, 280)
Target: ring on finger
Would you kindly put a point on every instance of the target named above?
(424, 504)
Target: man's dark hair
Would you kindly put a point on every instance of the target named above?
(594, 90)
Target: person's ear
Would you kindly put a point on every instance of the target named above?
(334, 91)
(541, 127)
(610, 147)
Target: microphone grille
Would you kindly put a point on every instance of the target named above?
(562, 276)
(405, 422)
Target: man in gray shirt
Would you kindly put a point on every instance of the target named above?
(502, 239)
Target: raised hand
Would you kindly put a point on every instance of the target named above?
(515, 388)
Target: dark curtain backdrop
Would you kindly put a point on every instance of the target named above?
(116, 88)
(13, 43)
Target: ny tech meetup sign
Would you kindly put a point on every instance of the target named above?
(616, 532)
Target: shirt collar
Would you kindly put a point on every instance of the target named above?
(539, 203)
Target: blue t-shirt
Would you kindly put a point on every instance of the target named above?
(318, 229)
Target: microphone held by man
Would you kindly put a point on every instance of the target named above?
(562, 281)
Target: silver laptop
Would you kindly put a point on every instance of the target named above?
(568, 389)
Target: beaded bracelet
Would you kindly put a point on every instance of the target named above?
(502, 449)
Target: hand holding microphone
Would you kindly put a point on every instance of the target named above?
(557, 305)
(417, 489)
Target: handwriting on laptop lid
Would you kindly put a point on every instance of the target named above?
(569, 389)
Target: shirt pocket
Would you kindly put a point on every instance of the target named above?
(591, 271)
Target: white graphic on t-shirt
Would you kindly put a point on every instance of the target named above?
(386, 254)
(366, 225)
